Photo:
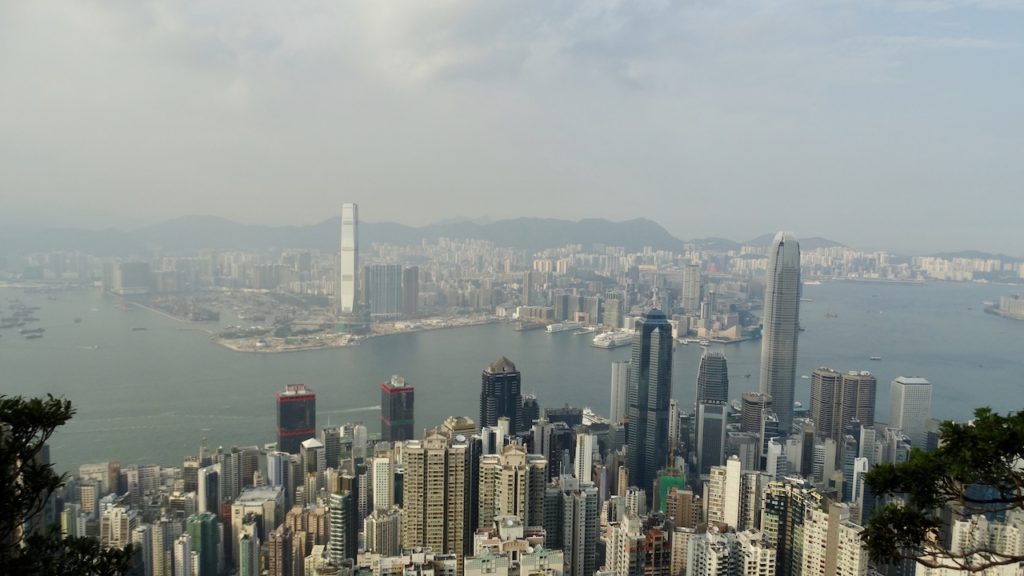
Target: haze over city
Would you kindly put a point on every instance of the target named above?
(512, 288)
(878, 124)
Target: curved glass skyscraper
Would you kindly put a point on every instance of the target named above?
(650, 386)
(781, 327)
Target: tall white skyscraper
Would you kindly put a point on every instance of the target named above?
(910, 408)
(722, 493)
(349, 263)
(781, 327)
(620, 380)
(584, 463)
(383, 482)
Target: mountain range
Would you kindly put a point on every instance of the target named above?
(193, 233)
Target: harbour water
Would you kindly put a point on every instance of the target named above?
(152, 395)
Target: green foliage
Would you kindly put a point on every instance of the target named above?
(977, 469)
(26, 483)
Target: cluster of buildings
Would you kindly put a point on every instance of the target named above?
(755, 489)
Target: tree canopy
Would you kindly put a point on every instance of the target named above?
(27, 545)
(977, 469)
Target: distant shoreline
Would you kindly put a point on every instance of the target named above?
(336, 341)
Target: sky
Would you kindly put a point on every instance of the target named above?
(879, 123)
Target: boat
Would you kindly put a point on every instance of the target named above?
(33, 336)
(705, 342)
(610, 340)
(31, 331)
(812, 283)
(805, 377)
(138, 329)
(562, 327)
(875, 358)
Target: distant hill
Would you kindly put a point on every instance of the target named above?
(976, 254)
(812, 243)
(715, 244)
(192, 233)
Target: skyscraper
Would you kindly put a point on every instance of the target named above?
(712, 420)
(384, 290)
(344, 517)
(349, 261)
(439, 493)
(500, 395)
(410, 291)
(910, 408)
(620, 383)
(839, 399)
(296, 417)
(571, 522)
(753, 407)
(713, 377)
(512, 483)
(204, 531)
(650, 387)
(781, 327)
(691, 289)
(397, 417)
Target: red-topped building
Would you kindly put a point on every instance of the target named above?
(397, 420)
(296, 417)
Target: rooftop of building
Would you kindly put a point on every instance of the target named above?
(501, 365)
(258, 494)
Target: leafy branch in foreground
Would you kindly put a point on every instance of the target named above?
(27, 482)
(977, 469)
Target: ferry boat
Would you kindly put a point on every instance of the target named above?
(562, 327)
(612, 340)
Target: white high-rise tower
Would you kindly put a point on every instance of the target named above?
(349, 263)
(910, 408)
(781, 327)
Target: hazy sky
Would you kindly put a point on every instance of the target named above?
(877, 123)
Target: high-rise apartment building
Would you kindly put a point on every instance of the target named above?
(296, 417)
(722, 494)
(584, 461)
(397, 414)
(438, 493)
(512, 483)
(831, 544)
(349, 261)
(713, 377)
(382, 531)
(910, 408)
(571, 522)
(500, 395)
(784, 511)
(781, 327)
(716, 553)
(650, 387)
